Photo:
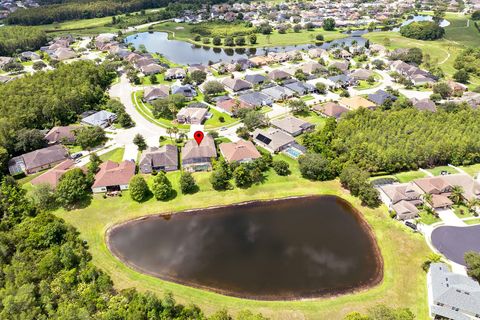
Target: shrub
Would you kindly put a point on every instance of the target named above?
(187, 183)
(138, 188)
(281, 167)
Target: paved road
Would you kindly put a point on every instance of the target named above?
(454, 242)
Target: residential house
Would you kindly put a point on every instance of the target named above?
(240, 151)
(317, 53)
(157, 92)
(380, 97)
(231, 106)
(101, 118)
(260, 61)
(277, 75)
(471, 98)
(5, 60)
(29, 55)
(255, 79)
(63, 134)
(299, 87)
(356, 102)
(52, 176)
(312, 67)
(38, 160)
(164, 158)
(424, 104)
(330, 109)
(236, 84)
(175, 73)
(342, 81)
(256, 99)
(403, 198)
(340, 65)
(192, 115)
(274, 140)
(451, 295)
(188, 91)
(413, 73)
(292, 125)
(151, 69)
(198, 157)
(198, 67)
(361, 74)
(62, 54)
(278, 93)
(113, 176)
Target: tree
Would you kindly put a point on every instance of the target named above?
(217, 41)
(422, 30)
(369, 195)
(314, 166)
(378, 64)
(4, 157)
(139, 141)
(168, 107)
(461, 76)
(243, 132)
(321, 87)
(265, 28)
(297, 28)
(125, 120)
(252, 39)
(89, 137)
(229, 41)
(72, 188)
(187, 183)
(319, 37)
(300, 75)
(297, 106)
(221, 175)
(456, 194)
(281, 167)
(442, 89)
(198, 76)
(240, 41)
(353, 178)
(472, 260)
(245, 175)
(213, 87)
(476, 15)
(43, 197)
(38, 65)
(138, 187)
(252, 119)
(162, 187)
(329, 24)
(28, 140)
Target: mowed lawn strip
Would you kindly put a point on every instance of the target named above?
(404, 283)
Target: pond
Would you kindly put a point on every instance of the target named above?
(185, 53)
(444, 23)
(276, 250)
(454, 242)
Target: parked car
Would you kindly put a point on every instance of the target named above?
(77, 155)
(411, 225)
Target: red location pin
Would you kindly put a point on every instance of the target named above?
(198, 136)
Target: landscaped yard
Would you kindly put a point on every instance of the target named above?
(437, 171)
(461, 211)
(215, 123)
(427, 218)
(314, 118)
(404, 283)
(472, 221)
(115, 155)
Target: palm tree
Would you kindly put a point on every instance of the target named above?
(472, 203)
(427, 197)
(175, 131)
(457, 194)
(170, 131)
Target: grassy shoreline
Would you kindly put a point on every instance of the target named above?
(404, 283)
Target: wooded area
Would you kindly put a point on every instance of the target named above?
(16, 39)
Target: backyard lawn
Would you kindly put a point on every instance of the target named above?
(404, 283)
(402, 177)
(437, 171)
(472, 170)
(215, 123)
(427, 218)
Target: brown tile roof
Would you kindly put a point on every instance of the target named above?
(206, 149)
(52, 176)
(238, 151)
(356, 102)
(229, 104)
(113, 174)
(57, 134)
(45, 156)
(331, 109)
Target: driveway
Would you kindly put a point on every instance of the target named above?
(450, 218)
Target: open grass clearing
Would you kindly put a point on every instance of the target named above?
(437, 171)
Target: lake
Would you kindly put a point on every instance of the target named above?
(277, 250)
(185, 53)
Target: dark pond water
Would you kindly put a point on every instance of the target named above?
(284, 249)
(454, 242)
(185, 53)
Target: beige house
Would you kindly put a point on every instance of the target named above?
(240, 151)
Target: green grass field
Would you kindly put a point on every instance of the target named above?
(472, 170)
(472, 221)
(215, 123)
(438, 170)
(404, 283)
(115, 155)
(402, 177)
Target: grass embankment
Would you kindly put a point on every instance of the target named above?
(443, 52)
(404, 282)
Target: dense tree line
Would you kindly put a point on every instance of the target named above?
(46, 272)
(382, 312)
(469, 61)
(422, 30)
(16, 39)
(50, 98)
(59, 12)
(395, 140)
